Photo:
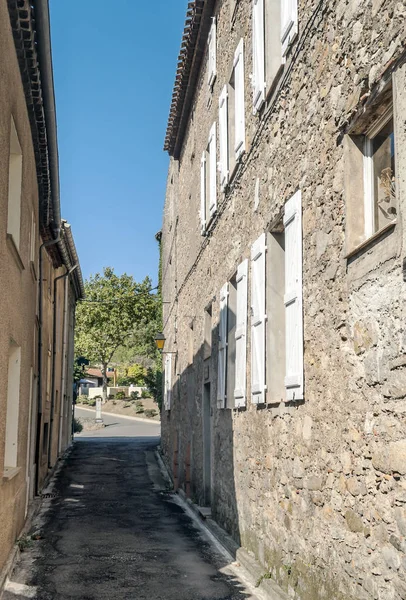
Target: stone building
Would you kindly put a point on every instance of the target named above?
(40, 276)
(283, 278)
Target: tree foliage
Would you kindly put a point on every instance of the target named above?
(113, 306)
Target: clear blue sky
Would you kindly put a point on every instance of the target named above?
(114, 68)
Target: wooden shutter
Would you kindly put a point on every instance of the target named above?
(223, 137)
(258, 320)
(258, 54)
(239, 108)
(212, 42)
(168, 382)
(222, 353)
(293, 298)
(289, 23)
(212, 170)
(241, 336)
(203, 193)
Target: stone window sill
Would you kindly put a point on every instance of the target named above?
(365, 245)
(15, 251)
(10, 472)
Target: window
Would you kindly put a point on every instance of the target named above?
(222, 348)
(237, 83)
(223, 165)
(13, 406)
(370, 173)
(14, 186)
(293, 298)
(258, 320)
(33, 238)
(241, 283)
(208, 181)
(266, 48)
(379, 175)
(168, 382)
(212, 43)
(207, 332)
(289, 24)
(258, 54)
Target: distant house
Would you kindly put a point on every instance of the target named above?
(94, 377)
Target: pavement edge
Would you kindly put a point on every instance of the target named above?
(255, 570)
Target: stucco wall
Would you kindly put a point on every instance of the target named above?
(316, 491)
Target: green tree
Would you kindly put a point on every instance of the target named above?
(113, 306)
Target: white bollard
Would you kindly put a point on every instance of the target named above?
(98, 411)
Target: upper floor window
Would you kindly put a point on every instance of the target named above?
(289, 23)
(379, 174)
(266, 48)
(14, 186)
(370, 173)
(208, 180)
(212, 43)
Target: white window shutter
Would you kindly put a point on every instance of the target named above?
(168, 382)
(222, 353)
(240, 398)
(258, 320)
(223, 137)
(203, 193)
(213, 170)
(239, 100)
(258, 54)
(212, 41)
(293, 298)
(289, 23)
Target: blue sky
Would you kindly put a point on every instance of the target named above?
(114, 68)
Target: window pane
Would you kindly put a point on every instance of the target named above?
(384, 176)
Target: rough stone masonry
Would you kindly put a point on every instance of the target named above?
(315, 490)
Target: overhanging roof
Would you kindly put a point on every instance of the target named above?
(192, 49)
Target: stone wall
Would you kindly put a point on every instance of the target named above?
(316, 491)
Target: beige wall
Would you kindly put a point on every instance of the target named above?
(19, 313)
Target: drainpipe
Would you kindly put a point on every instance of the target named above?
(64, 276)
(39, 394)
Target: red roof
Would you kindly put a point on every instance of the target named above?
(97, 373)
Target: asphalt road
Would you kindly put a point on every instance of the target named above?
(119, 426)
(114, 531)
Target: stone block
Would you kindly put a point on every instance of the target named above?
(354, 521)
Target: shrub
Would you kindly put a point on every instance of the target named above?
(91, 402)
(77, 426)
(127, 405)
(150, 412)
(139, 409)
(114, 402)
(111, 396)
(82, 400)
(134, 395)
(120, 396)
(138, 403)
(145, 394)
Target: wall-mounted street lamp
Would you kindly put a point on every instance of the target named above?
(160, 340)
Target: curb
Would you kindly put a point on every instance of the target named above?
(254, 569)
(120, 416)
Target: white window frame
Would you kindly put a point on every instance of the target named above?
(258, 321)
(258, 54)
(222, 348)
(212, 149)
(239, 112)
(203, 193)
(293, 299)
(168, 382)
(223, 165)
(289, 24)
(240, 389)
(15, 174)
(212, 45)
(369, 188)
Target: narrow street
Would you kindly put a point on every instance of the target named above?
(113, 531)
